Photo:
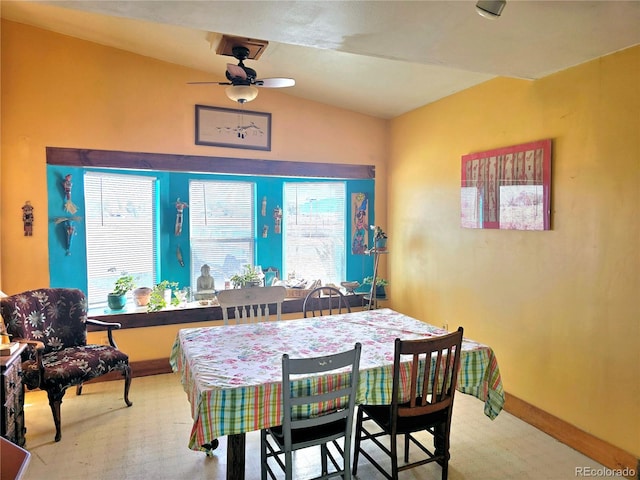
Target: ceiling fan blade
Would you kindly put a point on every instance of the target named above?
(208, 83)
(275, 82)
(236, 71)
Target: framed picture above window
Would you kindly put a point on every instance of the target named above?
(227, 127)
(508, 188)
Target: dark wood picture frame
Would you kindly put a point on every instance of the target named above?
(232, 128)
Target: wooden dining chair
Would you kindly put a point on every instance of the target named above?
(324, 301)
(320, 415)
(249, 305)
(431, 377)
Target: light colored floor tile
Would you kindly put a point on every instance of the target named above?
(103, 439)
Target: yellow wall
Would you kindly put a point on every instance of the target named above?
(560, 307)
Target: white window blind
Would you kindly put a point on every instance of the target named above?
(222, 226)
(314, 231)
(120, 231)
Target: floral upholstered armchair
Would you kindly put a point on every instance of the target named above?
(53, 321)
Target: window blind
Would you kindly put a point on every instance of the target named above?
(120, 231)
(314, 230)
(222, 226)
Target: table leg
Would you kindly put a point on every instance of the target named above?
(235, 456)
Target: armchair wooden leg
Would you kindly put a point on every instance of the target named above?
(55, 400)
(127, 383)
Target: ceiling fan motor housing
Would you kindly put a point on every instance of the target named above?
(241, 53)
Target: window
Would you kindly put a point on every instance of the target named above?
(222, 226)
(314, 231)
(120, 231)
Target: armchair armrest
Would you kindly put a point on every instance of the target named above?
(110, 326)
(38, 347)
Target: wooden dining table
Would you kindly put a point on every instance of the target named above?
(232, 374)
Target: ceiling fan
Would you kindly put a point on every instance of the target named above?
(242, 79)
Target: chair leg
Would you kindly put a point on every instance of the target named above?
(263, 454)
(288, 463)
(323, 459)
(79, 389)
(55, 400)
(394, 457)
(356, 447)
(126, 373)
(406, 448)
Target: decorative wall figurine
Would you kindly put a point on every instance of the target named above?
(277, 216)
(27, 218)
(69, 228)
(264, 207)
(265, 231)
(69, 206)
(180, 206)
(179, 256)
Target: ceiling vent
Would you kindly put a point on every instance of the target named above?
(255, 47)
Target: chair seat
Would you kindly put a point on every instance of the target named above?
(304, 435)
(381, 414)
(73, 366)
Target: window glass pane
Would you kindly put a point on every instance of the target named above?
(120, 231)
(314, 227)
(221, 216)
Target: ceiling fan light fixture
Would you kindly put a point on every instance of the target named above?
(490, 8)
(241, 93)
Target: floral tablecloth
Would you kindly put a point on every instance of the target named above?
(232, 374)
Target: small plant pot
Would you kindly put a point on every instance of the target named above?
(381, 244)
(116, 302)
(141, 296)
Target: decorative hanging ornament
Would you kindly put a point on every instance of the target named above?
(69, 206)
(69, 228)
(180, 206)
(277, 216)
(27, 218)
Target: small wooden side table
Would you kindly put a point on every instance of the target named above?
(12, 397)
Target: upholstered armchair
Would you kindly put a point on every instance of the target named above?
(53, 321)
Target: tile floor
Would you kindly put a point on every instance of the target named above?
(103, 439)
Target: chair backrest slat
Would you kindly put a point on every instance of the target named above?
(315, 400)
(432, 376)
(325, 301)
(251, 304)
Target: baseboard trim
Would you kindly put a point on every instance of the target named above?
(602, 452)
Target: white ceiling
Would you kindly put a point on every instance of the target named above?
(381, 58)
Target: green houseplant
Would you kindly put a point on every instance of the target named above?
(380, 284)
(379, 238)
(249, 277)
(156, 299)
(117, 299)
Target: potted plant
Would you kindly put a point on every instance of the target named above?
(379, 238)
(158, 300)
(380, 284)
(249, 277)
(117, 299)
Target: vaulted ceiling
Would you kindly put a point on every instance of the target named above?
(381, 58)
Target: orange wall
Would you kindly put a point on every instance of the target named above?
(64, 92)
(560, 307)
